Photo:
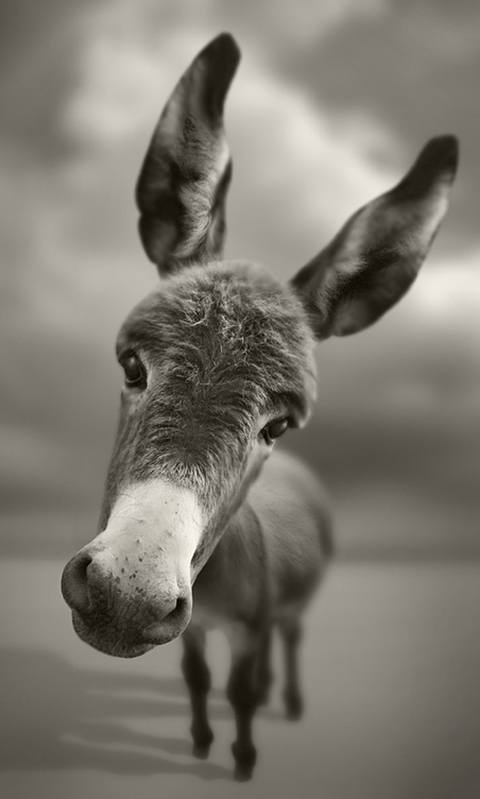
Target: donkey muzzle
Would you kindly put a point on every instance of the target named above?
(117, 611)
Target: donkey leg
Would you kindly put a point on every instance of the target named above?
(197, 677)
(265, 675)
(291, 632)
(243, 693)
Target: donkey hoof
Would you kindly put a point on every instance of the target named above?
(201, 751)
(243, 773)
(202, 740)
(245, 758)
(294, 707)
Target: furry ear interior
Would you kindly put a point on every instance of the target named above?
(183, 183)
(376, 256)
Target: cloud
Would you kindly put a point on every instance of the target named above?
(273, 27)
(305, 167)
(407, 68)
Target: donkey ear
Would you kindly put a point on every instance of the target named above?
(376, 256)
(184, 179)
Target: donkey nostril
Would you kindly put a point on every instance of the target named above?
(82, 565)
(75, 582)
(178, 609)
(170, 622)
(180, 604)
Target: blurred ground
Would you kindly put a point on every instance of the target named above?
(391, 668)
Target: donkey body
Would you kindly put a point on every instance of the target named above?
(194, 532)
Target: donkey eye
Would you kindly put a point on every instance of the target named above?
(134, 373)
(274, 430)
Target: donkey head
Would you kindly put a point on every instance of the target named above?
(218, 360)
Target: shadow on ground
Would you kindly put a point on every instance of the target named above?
(55, 715)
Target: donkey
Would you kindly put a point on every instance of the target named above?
(194, 533)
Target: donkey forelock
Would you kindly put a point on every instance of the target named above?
(222, 346)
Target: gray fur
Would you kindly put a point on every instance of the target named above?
(222, 346)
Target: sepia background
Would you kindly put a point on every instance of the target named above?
(332, 102)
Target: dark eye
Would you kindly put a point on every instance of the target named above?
(274, 430)
(134, 373)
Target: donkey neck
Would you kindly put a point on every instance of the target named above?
(234, 581)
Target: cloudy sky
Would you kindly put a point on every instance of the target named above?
(333, 100)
